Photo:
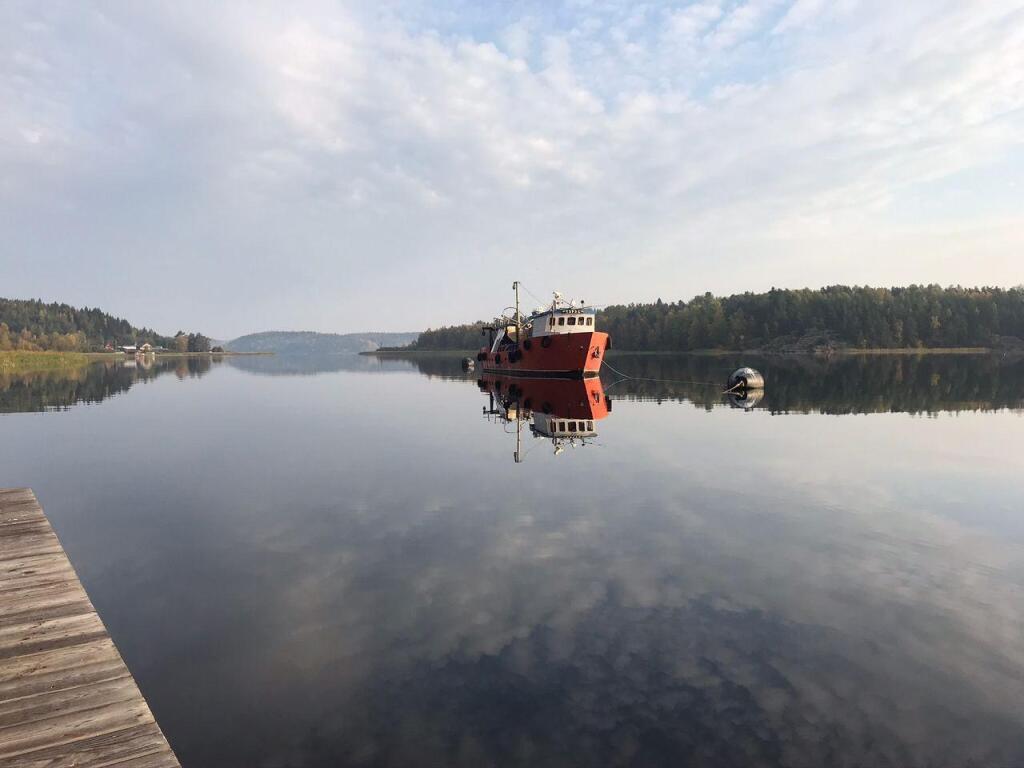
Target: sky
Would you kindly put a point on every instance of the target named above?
(332, 166)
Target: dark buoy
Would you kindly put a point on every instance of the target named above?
(745, 378)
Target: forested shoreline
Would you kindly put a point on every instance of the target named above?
(28, 325)
(833, 318)
(780, 320)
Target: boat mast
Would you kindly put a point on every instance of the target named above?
(515, 287)
(517, 456)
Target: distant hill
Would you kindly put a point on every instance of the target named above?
(310, 343)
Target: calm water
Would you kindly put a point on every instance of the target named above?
(338, 562)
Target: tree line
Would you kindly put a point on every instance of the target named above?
(191, 342)
(836, 316)
(468, 336)
(32, 325)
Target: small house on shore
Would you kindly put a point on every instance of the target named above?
(142, 349)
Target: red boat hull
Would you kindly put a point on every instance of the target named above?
(565, 355)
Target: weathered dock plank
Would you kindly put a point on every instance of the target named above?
(66, 696)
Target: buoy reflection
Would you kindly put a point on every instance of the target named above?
(745, 398)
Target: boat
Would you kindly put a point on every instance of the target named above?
(559, 341)
(564, 411)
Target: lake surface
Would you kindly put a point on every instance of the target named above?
(339, 561)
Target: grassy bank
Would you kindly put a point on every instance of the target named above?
(30, 362)
(27, 362)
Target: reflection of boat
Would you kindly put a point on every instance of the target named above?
(563, 411)
(556, 341)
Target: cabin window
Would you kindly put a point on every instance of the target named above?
(561, 321)
(551, 322)
(572, 426)
(560, 426)
(572, 321)
(590, 321)
(590, 426)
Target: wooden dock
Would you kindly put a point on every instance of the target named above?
(66, 697)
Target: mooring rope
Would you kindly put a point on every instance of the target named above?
(626, 376)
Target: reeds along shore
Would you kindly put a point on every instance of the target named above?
(29, 362)
(34, 362)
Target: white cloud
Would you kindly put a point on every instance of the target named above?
(799, 14)
(517, 39)
(594, 134)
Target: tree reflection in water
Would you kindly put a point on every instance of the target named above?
(59, 390)
(919, 384)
